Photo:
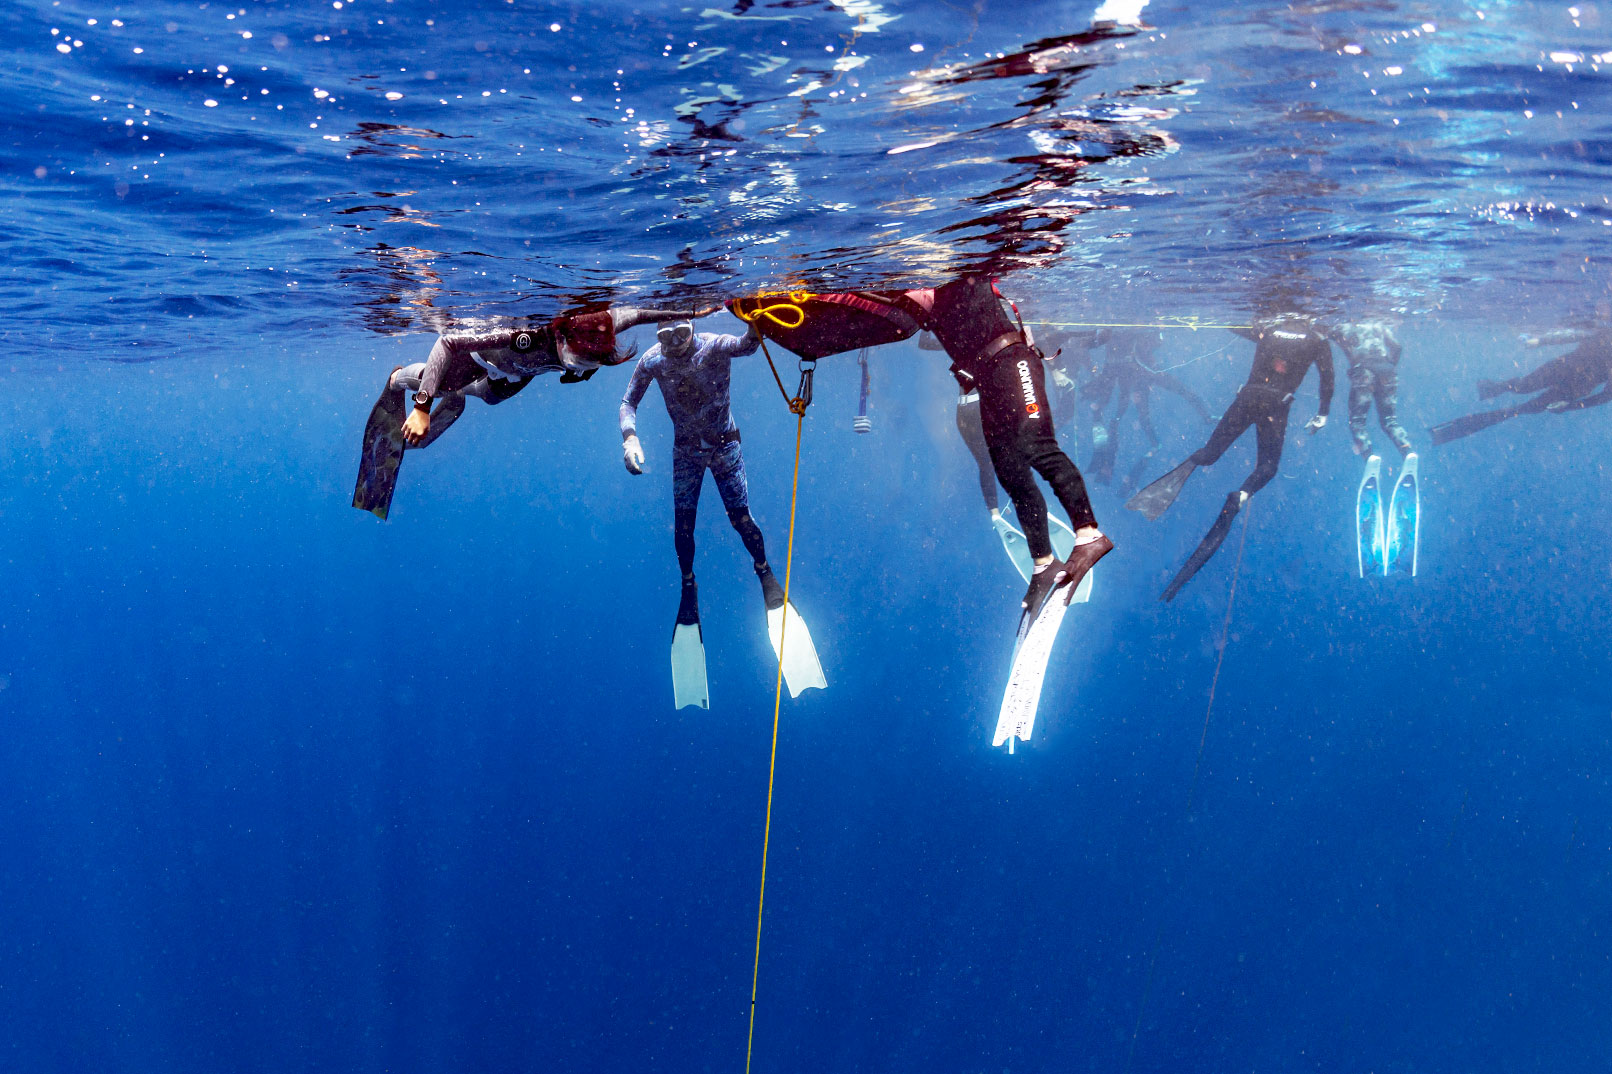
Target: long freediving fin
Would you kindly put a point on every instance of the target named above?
(381, 455)
(1369, 518)
(1156, 499)
(802, 670)
(1456, 428)
(1021, 699)
(689, 685)
(1207, 547)
(1405, 519)
(1014, 545)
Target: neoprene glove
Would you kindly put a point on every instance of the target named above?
(1317, 423)
(632, 454)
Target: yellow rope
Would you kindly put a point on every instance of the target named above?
(1186, 322)
(798, 408)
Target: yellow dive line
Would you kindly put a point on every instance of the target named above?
(1186, 323)
(777, 704)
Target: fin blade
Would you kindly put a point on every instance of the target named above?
(1022, 698)
(1369, 541)
(1156, 498)
(1206, 548)
(380, 456)
(1017, 549)
(802, 670)
(1405, 518)
(689, 684)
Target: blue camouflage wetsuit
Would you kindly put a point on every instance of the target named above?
(695, 388)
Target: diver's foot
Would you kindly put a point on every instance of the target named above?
(688, 609)
(1084, 558)
(1043, 581)
(771, 592)
(1488, 389)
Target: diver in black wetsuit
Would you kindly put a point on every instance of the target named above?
(1287, 346)
(1128, 373)
(1569, 382)
(1373, 351)
(991, 355)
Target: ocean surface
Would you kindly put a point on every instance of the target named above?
(285, 788)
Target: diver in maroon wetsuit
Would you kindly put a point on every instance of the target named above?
(1287, 346)
(991, 355)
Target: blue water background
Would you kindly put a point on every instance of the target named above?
(284, 788)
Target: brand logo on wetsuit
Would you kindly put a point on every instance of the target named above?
(1031, 407)
(1279, 334)
(523, 343)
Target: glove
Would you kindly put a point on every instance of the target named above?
(632, 454)
(1316, 424)
(1063, 380)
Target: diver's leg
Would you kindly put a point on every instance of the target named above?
(727, 469)
(1001, 412)
(1360, 395)
(688, 473)
(1271, 434)
(973, 434)
(407, 378)
(1233, 423)
(1387, 395)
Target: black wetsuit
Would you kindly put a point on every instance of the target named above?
(1127, 372)
(990, 354)
(1285, 352)
(1373, 352)
(1566, 383)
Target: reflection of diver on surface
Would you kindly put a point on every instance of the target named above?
(1128, 373)
(1287, 346)
(492, 364)
(993, 357)
(1382, 538)
(694, 372)
(1569, 382)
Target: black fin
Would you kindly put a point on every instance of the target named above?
(381, 455)
(1208, 546)
(1456, 428)
(1156, 499)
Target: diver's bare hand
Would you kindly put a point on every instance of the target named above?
(1316, 424)
(416, 425)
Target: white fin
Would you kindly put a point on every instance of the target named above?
(1405, 512)
(802, 671)
(1023, 694)
(1014, 545)
(1369, 542)
(689, 686)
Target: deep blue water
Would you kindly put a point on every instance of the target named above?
(285, 788)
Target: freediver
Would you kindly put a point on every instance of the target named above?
(493, 364)
(993, 356)
(694, 371)
(1128, 372)
(1287, 345)
(1567, 382)
(1373, 351)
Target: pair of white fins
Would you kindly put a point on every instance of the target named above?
(791, 644)
(1389, 541)
(1033, 647)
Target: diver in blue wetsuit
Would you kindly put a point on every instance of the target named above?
(694, 373)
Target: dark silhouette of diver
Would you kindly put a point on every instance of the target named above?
(1568, 382)
(1287, 345)
(492, 363)
(1128, 373)
(992, 355)
(1373, 351)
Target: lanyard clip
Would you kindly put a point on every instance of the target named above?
(803, 395)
